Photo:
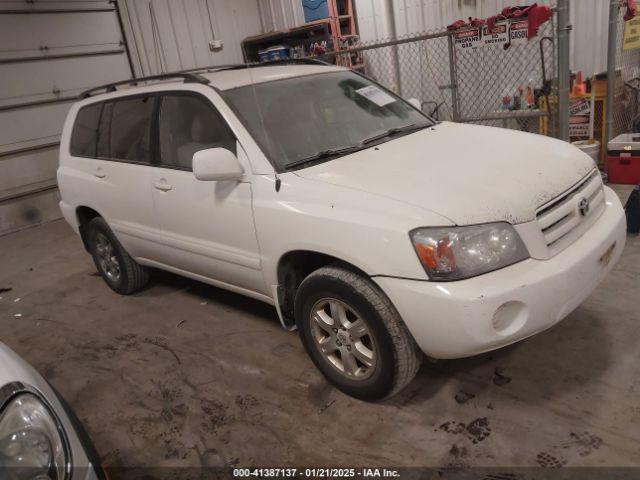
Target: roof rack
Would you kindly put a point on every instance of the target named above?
(238, 66)
(189, 77)
(212, 68)
(291, 61)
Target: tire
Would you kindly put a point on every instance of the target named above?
(387, 357)
(117, 268)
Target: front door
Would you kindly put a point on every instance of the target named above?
(207, 226)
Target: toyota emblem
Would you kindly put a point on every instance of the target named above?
(583, 206)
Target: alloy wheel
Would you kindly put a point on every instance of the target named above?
(107, 258)
(342, 337)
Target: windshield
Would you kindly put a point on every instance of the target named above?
(312, 118)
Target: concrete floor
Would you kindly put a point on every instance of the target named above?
(183, 374)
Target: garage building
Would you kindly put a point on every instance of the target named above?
(193, 371)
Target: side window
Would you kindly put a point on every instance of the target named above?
(85, 131)
(189, 124)
(130, 129)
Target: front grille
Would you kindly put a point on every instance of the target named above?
(562, 216)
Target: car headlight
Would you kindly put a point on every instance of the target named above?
(31, 443)
(455, 253)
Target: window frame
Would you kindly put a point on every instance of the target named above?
(154, 137)
(155, 132)
(75, 125)
(103, 105)
(154, 97)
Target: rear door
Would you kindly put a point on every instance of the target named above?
(120, 174)
(207, 226)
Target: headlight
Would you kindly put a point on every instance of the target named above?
(31, 445)
(454, 253)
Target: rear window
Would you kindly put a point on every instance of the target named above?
(85, 131)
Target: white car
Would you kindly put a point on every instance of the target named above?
(374, 230)
(40, 437)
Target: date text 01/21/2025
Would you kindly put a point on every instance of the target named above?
(315, 473)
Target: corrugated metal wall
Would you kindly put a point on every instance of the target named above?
(280, 14)
(166, 35)
(590, 19)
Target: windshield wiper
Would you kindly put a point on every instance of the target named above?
(395, 131)
(335, 152)
(324, 154)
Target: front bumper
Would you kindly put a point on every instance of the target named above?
(467, 317)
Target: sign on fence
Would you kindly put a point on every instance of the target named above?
(468, 38)
(501, 34)
(579, 118)
(498, 36)
(518, 32)
(631, 39)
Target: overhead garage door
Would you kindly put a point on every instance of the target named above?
(50, 51)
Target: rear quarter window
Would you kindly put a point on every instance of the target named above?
(85, 131)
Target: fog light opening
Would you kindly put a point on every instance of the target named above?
(509, 318)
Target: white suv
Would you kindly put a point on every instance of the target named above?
(374, 230)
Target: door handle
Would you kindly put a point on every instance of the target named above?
(99, 172)
(162, 186)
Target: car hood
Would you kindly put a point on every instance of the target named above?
(467, 173)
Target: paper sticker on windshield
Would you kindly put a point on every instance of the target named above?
(375, 95)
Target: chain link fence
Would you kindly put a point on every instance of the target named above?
(469, 84)
(485, 76)
(626, 102)
(415, 66)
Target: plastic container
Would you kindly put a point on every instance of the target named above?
(315, 10)
(623, 159)
(263, 55)
(279, 52)
(590, 147)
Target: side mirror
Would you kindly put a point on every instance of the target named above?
(216, 164)
(416, 103)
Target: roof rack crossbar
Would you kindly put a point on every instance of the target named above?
(189, 77)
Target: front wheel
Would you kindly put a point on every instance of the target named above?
(354, 335)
